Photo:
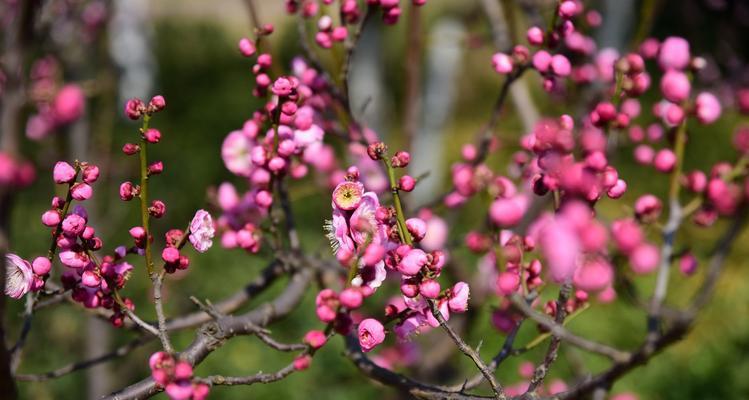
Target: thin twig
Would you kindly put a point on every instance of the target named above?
(561, 332)
(551, 353)
(158, 280)
(469, 352)
(77, 366)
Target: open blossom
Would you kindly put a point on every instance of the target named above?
(202, 231)
(371, 333)
(19, 276)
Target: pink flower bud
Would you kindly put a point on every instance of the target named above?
(502, 63)
(88, 233)
(157, 103)
(90, 279)
(373, 254)
(73, 225)
(429, 288)
(648, 207)
(644, 259)
(412, 263)
(282, 87)
(406, 183)
(644, 154)
(675, 86)
(594, 275)
(137, 232)
(508, 212)
(458, 300)
(152, 135)
(400, 159)
(277, 164)
(68, 104)
(302, 362)
(707, 107)
(542, 61)
(81, 191)
(351, 298)
(618, 190)
(130, 149)
(665, 160)
(155, 168)
(41, 266)
(264, 199)
(262, 80)
(90, 173)
(127, 191)
(51, 218)
(696, 181)
(315, 339)
(688, 264)
(371, 333)
(560, 65)
(535, 36)
(246, 47)
(134, 108)
(157, 209)
(339, 34)
(674, 53)
(567, 9)
(417, 228)
(63, 172)
(507, 283)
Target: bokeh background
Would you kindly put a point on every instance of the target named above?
(186, 50)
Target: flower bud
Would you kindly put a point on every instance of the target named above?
(51, 218)
(155, 168)
(246, 47)
(63, 172)
(157, 103)
(41, 266)
(134, 108)
(130, 149)
(157, 209)
(377, 150)
(152, 135)
(81, 191)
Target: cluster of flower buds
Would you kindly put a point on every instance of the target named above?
(327, 34)
(176, 377)
(373, 241)
(470, 177)
(282, 140)
(56, 104)
(135, 109)
(554, 167)
(94, 285)
(349, 12)
(14, 173)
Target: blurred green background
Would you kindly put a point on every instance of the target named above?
(208, 89)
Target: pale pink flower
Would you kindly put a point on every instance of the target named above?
(18, 276)
(235, 151)
(201, 231)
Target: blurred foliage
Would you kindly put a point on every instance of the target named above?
(207, 86)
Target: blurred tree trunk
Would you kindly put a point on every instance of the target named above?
(17, 38)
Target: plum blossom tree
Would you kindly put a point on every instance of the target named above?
(547, 252)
